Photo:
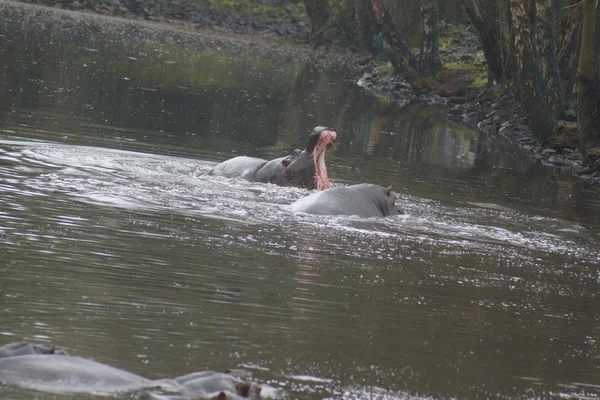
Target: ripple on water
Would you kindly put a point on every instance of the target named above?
(212, 264)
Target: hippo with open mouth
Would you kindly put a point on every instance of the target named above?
(304, 169)
(36, 367)
(363, 200)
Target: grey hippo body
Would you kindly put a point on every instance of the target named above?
(364, 200)
(304, 169)
(35, 367)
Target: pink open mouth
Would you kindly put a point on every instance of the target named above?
(326, 139)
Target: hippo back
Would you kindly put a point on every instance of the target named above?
(272, 171)
(24, 348)
(57, 373)
(239, 167)
(364, 200)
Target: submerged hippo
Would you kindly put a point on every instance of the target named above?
(24, 349)
(36, 367)
(364, 200)
(305, 169)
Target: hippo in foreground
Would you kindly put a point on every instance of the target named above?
(304, 169)
(363, 200)
(36, 367)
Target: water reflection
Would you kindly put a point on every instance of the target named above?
(486, 288)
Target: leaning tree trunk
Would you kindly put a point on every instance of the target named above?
(355, 18)
(567, 45)
(530, 86)
(365, 24)
(401, 57)
(487, 24)
(589, 137)
(545, 35)
(319, 13)
(429, 59)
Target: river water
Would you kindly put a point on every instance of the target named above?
(113, 248)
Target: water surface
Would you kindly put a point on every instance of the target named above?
(112, 247)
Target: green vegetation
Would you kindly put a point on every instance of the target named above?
(469, 72)
(564, 136)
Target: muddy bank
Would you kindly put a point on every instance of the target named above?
(265, 43)
(270, 17)
(495, 112)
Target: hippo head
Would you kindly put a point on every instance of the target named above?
(307, 168)
(246, 390)
(290, 159)
(390, 207)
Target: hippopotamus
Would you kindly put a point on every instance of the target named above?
(304, 169)
(36, 367)
(364, 200)
(24, 349)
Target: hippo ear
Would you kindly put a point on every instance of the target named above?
(221, 396)
(242, 388)
(388, 190)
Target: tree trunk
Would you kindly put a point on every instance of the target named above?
(401, 57)
(488, 27)
(530, 86)
(567, 45)
(319, 13)
(365, 29)
(586, 107)
(545, 35)
(507, 41)
(429, 59)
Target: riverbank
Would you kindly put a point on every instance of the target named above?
(462, 86)
(285, 30)
(266, 41)
(241, 18)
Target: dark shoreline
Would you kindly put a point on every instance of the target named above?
(492, 111)
(278, 21)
